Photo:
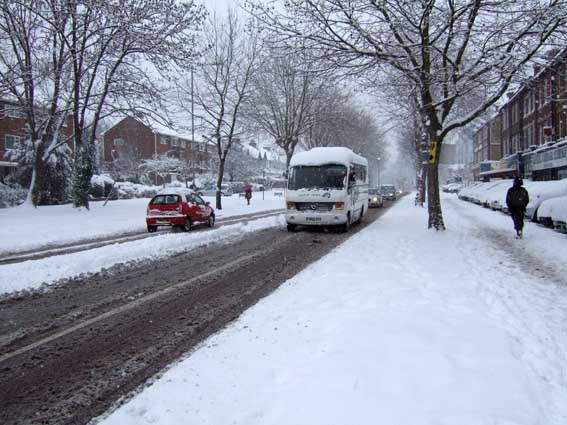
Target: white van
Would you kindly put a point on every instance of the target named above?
(326, 186)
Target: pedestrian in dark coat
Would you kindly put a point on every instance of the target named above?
(248, 193)
(517, 200)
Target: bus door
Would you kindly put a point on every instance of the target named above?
(352, 190)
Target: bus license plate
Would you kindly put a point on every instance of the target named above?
(312, 218)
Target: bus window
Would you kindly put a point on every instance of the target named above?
(330, 176)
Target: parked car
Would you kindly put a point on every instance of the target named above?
(226, 190)
(237, 187)
(553, 213)
(388, 192)
(375, 198)
(178, 208)
(451, 187)
(539, 191)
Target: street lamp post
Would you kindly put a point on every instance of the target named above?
(378, 169)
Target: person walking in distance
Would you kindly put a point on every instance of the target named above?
(248, 193)
(517, 200)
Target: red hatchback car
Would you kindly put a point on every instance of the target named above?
(182, 209)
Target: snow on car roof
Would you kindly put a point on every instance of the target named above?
(174, 191)
(328, 155)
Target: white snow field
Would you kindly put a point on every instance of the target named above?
(26, 227)
(398, 325)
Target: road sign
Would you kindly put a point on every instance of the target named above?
(433, 152)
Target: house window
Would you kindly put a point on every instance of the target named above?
(547, 90)
(182, 143)
(174, 141)
(118, 142)
(10, 141)
(13, 111)
(164, 140)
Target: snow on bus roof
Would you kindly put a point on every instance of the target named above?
(327, 155)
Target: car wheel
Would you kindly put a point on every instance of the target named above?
(211, 222)
(291, 227)
(187, 226)
(152, 229)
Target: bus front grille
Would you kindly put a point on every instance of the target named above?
(314, 206)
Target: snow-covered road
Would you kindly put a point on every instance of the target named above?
(399, 325)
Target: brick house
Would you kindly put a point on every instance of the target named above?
(13, 130)
(532, 116)
(131, 137)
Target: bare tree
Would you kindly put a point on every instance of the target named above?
(282, 105)
(223, 84)
(109, 43)
(32, 72)
(446, 49)
(73, 56)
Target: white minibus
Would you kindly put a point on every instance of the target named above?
(326, 187)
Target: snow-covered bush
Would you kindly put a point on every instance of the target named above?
(101, 185)
(12, 195)
(128, 190)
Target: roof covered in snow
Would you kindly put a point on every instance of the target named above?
(327, 155)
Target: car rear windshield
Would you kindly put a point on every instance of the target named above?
(373, 191)
(331, 176)
(165, 200)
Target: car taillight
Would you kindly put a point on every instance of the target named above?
(291, 205)
(339, 205)
(180, 207)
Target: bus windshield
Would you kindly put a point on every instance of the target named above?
(329, 176)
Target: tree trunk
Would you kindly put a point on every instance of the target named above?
(421, 177)
(433, 199)
(39, 176)
(82, 175)
(219, 182)
(288, 155)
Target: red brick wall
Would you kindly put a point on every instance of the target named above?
(9, 126)
(17, 127)
(135, 135)
(141, 138)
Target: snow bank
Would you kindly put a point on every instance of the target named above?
(24, 227)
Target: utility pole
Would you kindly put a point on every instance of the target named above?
(263, 182)
(193, 128)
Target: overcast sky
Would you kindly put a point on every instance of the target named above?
(219, 5)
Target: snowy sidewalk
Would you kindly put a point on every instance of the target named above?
(399, 325)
